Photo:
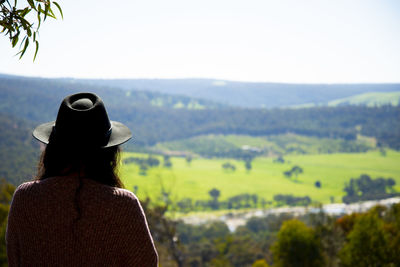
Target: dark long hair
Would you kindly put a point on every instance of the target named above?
(98, 164)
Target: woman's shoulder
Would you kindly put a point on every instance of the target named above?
(25, 187)
(118, 195)
(35, 186)
(20, 196)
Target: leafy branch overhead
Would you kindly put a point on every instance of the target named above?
(22, 23)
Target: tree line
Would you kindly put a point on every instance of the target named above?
(365, 188)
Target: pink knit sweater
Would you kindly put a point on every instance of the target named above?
(42, 228)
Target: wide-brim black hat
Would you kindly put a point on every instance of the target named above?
(82, 121)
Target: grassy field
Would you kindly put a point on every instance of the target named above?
(265, 178)
(369, 99)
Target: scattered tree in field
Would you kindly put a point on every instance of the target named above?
(317, 184)
(214, 193)
(279, 159)
(15, 24)
(295, 170)
(188, 159)
(248, 165)
(167, 161)
(152, 161)
(228, 167)
(143, 169)
(297, 245)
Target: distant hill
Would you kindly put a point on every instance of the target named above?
(52, 91)
(369, 99)
(246, 94)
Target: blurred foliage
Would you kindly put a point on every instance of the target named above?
(315, 239)
(22, 28)
(297, 245)
(6, 193)
(374, 239)
(19, 152)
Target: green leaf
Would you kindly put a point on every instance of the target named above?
(22, 41)
(59, 9)
(29, 32)
(39, 20)
(15, 41)
(30, 2)
(46, 11)
(51, 13)
(37, 48)
(24, 23)
(25, 47)
(25, 11)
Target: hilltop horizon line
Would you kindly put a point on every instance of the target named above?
(195, 79)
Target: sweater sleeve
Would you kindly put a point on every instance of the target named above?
(12, 235)
(140, 246)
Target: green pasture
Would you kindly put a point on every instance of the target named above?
(265, 179)
(370, 99)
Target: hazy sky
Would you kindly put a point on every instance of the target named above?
(249, 40)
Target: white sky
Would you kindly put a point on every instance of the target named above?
(248, 40)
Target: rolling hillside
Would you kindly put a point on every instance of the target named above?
(247, 94)
(369, 99)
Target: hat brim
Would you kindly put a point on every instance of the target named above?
(119, 135)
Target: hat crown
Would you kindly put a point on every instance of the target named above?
(82, 119)
(82, 104)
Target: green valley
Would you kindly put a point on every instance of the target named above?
(265, 179)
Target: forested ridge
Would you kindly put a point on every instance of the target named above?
(247, 94)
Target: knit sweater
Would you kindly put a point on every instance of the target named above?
(44, 229)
